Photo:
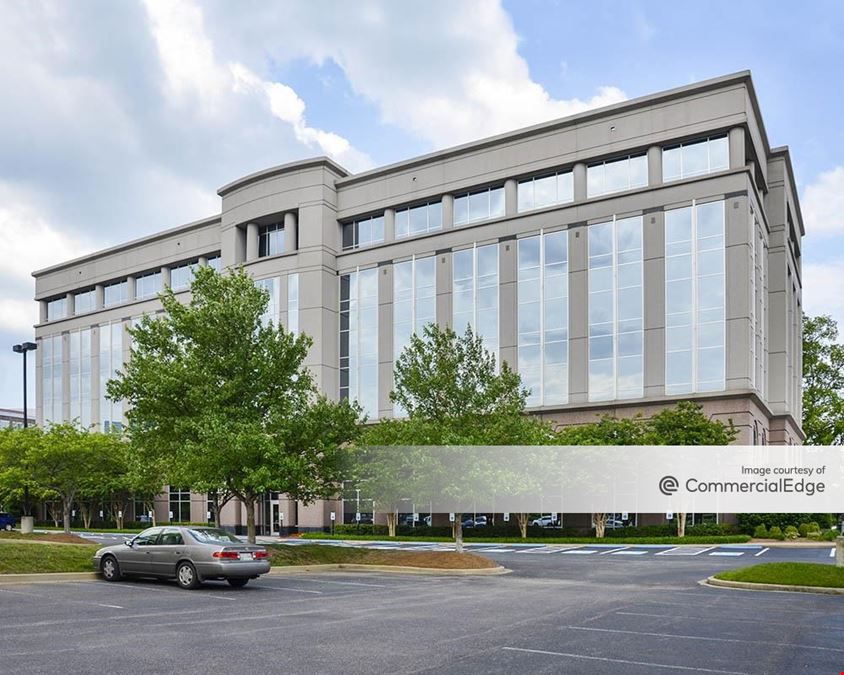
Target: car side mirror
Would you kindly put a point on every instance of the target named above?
(129, 542)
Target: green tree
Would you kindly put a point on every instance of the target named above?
(16, 486)
(222, 399)
(823, 382)
(687, 424)
(453, 395)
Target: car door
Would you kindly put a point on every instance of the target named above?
(166, 552)
(136, 558)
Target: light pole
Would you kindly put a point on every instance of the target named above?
(27, 521)
(23, 348)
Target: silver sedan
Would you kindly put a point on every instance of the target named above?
(191, 555)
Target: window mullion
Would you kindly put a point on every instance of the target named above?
(694, 317)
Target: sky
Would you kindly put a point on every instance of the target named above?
(119, 119)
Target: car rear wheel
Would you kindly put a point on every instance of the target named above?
(238, 583)
(110, 568)
(186, 576)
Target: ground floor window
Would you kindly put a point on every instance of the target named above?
(179, 505)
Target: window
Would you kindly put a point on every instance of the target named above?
(51, 378)
(181, 276)
(364, 232)
(414, 301)
(479, 205)
(148, 537)
(270, 240)
(694, 299)
(171, 537)
(273, 287)
(179, 505)
(537, 193)
(543, 317)
(293, 302)
(147, 286)
(111, 361)
(475, 293)
(86, 301)
(80, 376)
(214, 263)
(696, 158)
(115, 293)
(359, 338)
(56, 309)
(616, 315)
(419, 219)
(617, 175)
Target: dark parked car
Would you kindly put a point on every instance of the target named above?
(190, 554)
(7, 521)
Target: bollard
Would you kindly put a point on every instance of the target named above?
(839, 552)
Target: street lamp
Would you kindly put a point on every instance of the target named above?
(23, 348)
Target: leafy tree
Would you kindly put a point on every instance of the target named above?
(221, 399)
(687, 424)
(823, 382)
(16, 485)
(453, 394)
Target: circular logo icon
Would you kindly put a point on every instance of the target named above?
(668, 485)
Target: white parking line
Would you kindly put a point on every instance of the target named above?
(60, 600)
(756, 555)
(686, 550)
(285, 588)
(634, 551)
(728, 553)
(631, 663)
(832, 553)
(614, 550)
(580, 551)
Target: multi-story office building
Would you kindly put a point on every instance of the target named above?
(620, 259)
(13, 417)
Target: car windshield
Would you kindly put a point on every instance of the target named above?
(212, 536)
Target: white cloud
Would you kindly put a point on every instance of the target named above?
(823, 290)
(823, 204)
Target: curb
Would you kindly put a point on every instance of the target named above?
(781, 588)
(394, 569)
(46, 576)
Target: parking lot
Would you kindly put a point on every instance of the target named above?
(556, 612)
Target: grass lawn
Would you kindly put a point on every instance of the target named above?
(788, 573)
(316, 554)
(727, 539)
(29, 559)
(57, 538)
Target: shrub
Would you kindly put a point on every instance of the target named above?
(791, 532)
(829, 535)
(775, 533)
(748, 521)
(760, 531)
(805, 528)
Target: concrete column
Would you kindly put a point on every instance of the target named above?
(839, 552)
(738, 299)
(233, 246)
(389, 224)
(69, 304)
(252, 242)
(736, 143)
(291, 232)
(202, 261)
(448, 212)
(578, 315)
(579, 181)
(507, 301)
(99, 294)
(445, 315)
(385, 340)
(654, 279)
(65, 376)
(42, 311)
(165, 277)
(130, 288)
(511, 197)
(654, 165)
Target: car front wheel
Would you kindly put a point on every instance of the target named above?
(8, 528)
(110, 569)
(238, 583)
(186, 576)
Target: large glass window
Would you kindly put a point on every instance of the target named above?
(696, 158)
(359, 338)
(80, 376)
(617, 175)
(56, 309)
(478, 205)
(111, 361)
(616, 313)
(694, 299)
(270, 240)
(215, 263)
(51, 378)
(84, 302)
(273, 287)
(116, 293)
(181, 276)
(293, 302)
(179, 505)
(475, 293)
(543, 317)
(537, 193)
(148, 286)
(365, 232)
(419, 219)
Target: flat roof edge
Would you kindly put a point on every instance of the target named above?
(320, 160)
(784, 152)
(742, 76)
(210, 220)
